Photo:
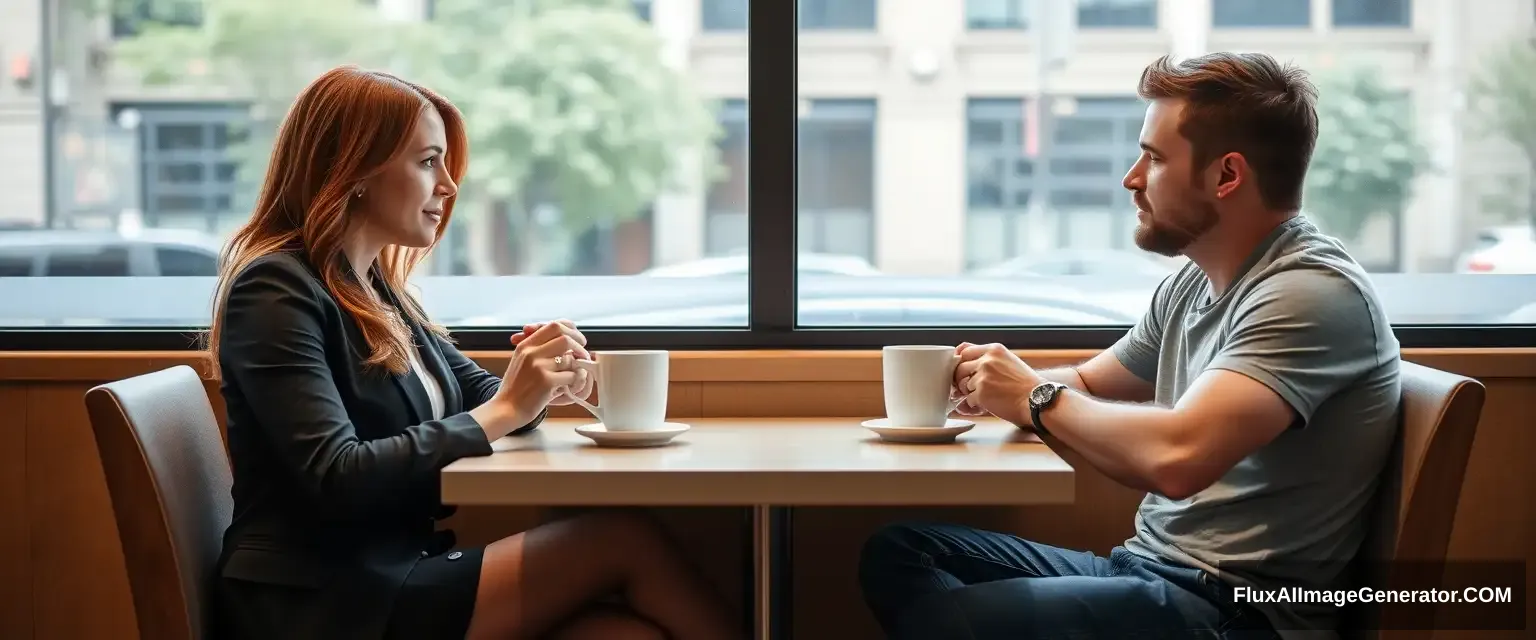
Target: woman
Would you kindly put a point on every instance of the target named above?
(345, 402)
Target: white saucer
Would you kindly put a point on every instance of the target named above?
(921, 435)
(647, 438)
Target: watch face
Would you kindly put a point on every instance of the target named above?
(1042, 394)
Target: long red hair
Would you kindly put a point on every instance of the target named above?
(342, 130)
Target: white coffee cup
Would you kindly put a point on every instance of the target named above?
(631, 389)
(918, 380)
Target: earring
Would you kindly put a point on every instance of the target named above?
(359, 194)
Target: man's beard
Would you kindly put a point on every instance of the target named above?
(1171, 231)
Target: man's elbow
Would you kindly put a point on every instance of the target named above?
(1178, 477)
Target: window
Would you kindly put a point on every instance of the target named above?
(837, 14)
(858, 15)
(1372, 13)
(725, 15)
(87, 261)
(188, 164)
(1117, 13)
(1022, 188)
(836, 178)
(175, 261)
(996, 14)
(1015, 14)
(725, 214)
(705, 182)
(1261, 13)
(129, 17)
(643, 9)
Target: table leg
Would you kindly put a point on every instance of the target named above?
(773, 596)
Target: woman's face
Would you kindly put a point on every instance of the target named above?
(403, 205)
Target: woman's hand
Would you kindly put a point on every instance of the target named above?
(542, 366)
(582, 389)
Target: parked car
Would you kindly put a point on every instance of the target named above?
(737, 265)
(1507, 249)
(65, 252)
(1080, 262)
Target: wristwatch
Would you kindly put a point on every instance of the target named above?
(1040, 398)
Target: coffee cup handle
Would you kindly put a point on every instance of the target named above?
(591, 368)
(954, 402)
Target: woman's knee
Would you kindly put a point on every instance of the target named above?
(623, 529)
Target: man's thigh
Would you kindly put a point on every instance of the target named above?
(965, 555)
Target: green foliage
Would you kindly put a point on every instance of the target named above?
(568, 102)
(1502, 99)
(1367, 155)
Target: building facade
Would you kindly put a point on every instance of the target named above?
(935, 137)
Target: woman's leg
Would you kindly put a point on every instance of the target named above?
(533, 581)
(602, 623)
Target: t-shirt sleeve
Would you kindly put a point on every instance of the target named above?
(1140, 347)
(1305, 334)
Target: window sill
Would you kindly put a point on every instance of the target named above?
(759, 366)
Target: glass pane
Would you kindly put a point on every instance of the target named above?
(604, 154)
(997, 14)
(1117, 13)
(1372, 13)
(1261, 13)
(976, 198)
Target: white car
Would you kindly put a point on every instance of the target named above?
(1509, 249)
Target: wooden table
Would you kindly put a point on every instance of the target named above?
(771, 464)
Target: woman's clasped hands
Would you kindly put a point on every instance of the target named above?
(582, 385)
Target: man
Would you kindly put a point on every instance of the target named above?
(1255, 402)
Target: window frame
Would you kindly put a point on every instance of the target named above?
(773, 295)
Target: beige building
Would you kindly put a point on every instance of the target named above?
(921, 143)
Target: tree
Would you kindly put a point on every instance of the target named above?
(1367, 154)
(1503, 94)
(571, 109)
(569, 104)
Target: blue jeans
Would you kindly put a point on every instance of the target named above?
(940, 581)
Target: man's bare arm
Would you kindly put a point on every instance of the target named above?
(1103, 377)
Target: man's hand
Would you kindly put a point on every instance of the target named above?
(995, 381)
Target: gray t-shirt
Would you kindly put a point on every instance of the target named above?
(1303, 319)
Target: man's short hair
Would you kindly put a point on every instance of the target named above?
(1246, 103)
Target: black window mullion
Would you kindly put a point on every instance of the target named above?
(771, 192)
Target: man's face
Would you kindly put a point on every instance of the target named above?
(1173, 206)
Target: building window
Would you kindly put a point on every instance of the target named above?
(130, 16)
(725, 205)
(643, 9)
(836, 175)
(837, 14)
(731, 15)
(1015, 14)
(1261, 13)
(996, 14)
(1372, 13)
(1067, 189)
(724, 15)
(188, 167)
(1117, 13)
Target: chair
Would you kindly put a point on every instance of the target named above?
(1416, 502)
(168, 474)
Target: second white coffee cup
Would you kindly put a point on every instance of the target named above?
(631, 389)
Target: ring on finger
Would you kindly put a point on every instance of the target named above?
(560, 363)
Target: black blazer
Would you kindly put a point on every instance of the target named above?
(336, 468)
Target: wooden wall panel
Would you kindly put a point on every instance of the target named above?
(70, 582)
(15, 527)
(79, 580)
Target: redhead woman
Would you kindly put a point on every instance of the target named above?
(345, 401)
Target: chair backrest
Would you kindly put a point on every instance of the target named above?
(1416, 503)
(168, 474)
